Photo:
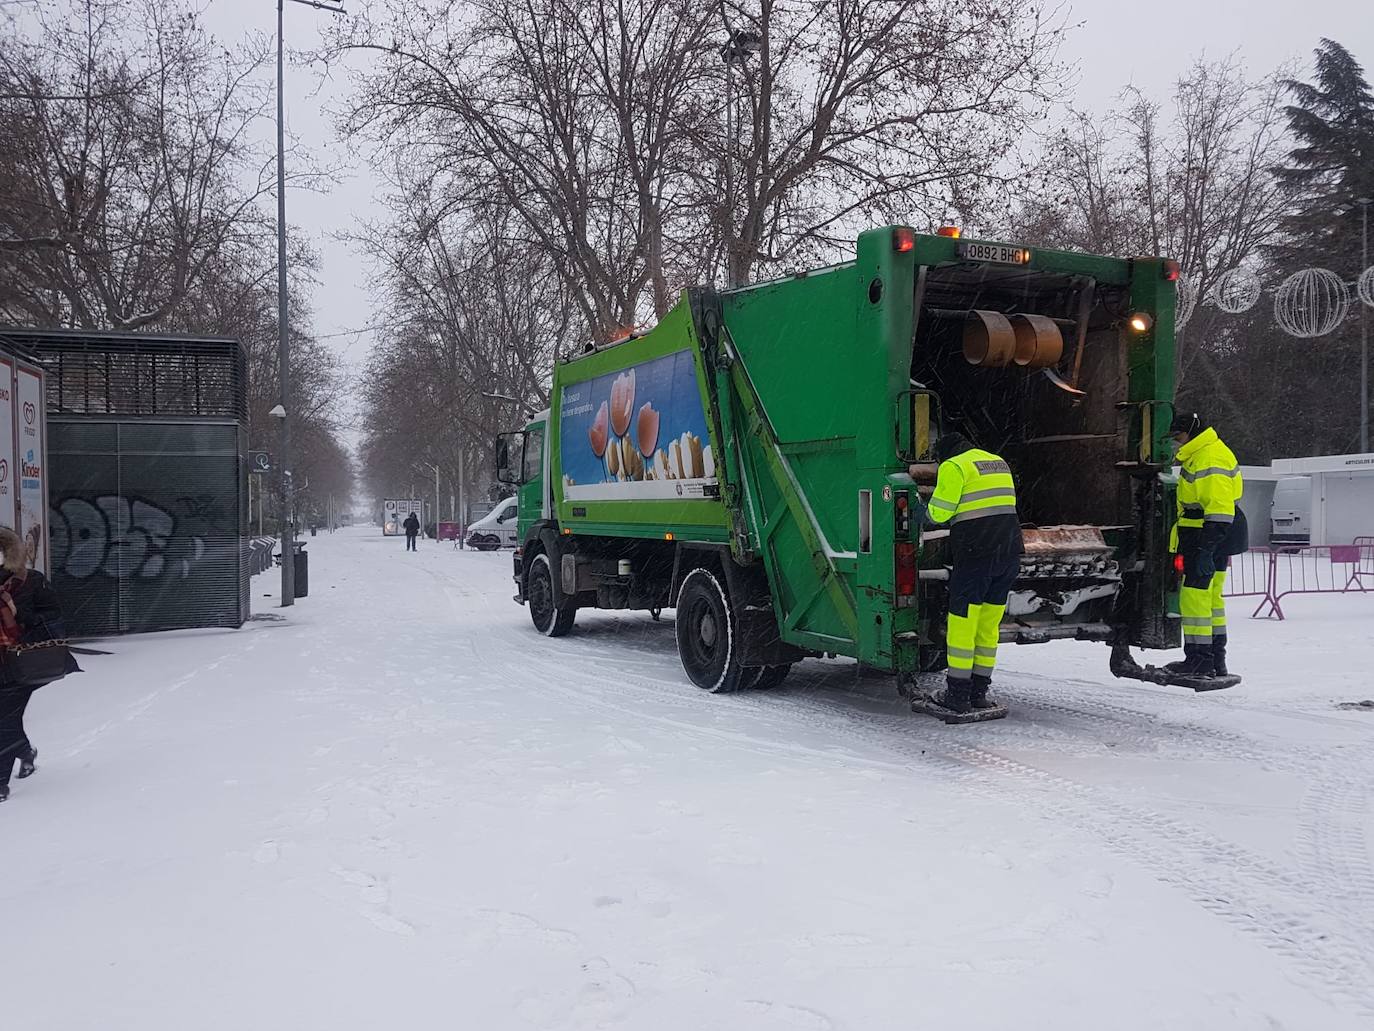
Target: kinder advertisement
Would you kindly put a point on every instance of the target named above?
(30, 447)
(637, 433)
(8, 471)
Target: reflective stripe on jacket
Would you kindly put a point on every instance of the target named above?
(1210, 483)
(975, 484)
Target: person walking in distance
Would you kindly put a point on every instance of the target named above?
(30, 613)
(412, 528)
(976, 494)
(1210, 528)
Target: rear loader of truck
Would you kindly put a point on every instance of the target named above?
(754, 460)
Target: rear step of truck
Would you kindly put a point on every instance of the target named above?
(1160, 675)
(924, 704)
(1122, 665)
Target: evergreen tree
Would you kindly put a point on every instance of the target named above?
(1332, 121)
(1315, 383)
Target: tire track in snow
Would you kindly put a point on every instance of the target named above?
(1288, 912)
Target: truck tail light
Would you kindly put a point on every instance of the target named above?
(901, 513)
(903, 239)
(1168, 268)
(906, 569)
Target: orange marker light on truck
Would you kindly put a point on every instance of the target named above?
(953, 232)
(903, 239)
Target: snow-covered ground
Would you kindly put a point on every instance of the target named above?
(398, 807)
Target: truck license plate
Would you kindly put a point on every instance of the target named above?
(996, 253)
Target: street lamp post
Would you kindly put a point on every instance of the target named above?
(742, 44)
(288, 555)
(1364, 203)
(436, 500)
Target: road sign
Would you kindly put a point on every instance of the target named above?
(259, 462)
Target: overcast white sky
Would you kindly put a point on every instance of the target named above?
(1148, 43)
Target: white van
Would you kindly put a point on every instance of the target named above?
(497, 529)
(1291, 512)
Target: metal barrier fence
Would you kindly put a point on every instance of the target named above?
(259, 554)
(1272, 574)
(1365, 567)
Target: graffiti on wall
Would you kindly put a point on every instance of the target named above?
(118, 536)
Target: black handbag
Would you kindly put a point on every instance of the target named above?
(33, 665)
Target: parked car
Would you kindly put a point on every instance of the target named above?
(1291, 512)
(496, 529)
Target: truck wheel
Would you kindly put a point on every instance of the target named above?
(772, 676)
(707, 635)
(549, 619)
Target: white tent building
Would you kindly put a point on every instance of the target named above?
(1341, 491)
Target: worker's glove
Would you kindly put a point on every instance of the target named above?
(919, 508)
(1206, 562)
(1213, 540)
(920, 512)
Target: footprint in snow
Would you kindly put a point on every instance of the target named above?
(780, 1014)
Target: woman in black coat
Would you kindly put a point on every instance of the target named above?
(37, 617)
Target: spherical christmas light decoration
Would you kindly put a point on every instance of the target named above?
(1311, 303)
(1236, 291)
(1187, 301)
(1365, 287)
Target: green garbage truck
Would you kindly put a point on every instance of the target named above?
(753, 460)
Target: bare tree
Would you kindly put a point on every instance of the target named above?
(471, 328)
(127, 151)
(569, 115)
(1195, 187)
(130, 198)
(863, 111)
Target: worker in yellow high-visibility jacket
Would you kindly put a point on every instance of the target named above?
(976, 494)
(1210, 529)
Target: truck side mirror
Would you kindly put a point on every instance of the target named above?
(917, 425)
(510, 447)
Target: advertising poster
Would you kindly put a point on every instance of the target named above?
(637, 433)
(28, 403)
(9, 460)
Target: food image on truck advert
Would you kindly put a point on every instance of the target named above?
(637, 433)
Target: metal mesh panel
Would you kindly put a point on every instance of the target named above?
(95, 373)
(147, 524)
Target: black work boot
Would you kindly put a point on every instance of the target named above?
(954, 696)
(27, 762)
(1219, 655)
(978, 693)
(1197, 662)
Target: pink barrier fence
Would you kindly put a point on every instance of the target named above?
(1273, 574)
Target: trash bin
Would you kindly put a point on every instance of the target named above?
(302, 570)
